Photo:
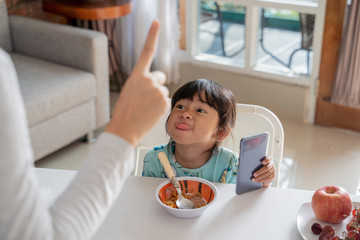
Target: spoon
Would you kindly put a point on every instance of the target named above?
(181, 203)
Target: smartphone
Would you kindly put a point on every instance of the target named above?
(253, 150)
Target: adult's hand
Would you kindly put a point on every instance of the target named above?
(143, 98)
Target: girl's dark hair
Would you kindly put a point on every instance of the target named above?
(216, 96)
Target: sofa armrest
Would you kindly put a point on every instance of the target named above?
(70, 46)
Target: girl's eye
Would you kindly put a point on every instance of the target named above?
(179, 106)
(201, 110)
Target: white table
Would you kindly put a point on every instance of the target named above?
(262, 214)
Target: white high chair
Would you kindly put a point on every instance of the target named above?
(250, 120)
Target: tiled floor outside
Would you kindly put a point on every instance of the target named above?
(281, 43)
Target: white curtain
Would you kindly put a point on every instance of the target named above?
(132, 32)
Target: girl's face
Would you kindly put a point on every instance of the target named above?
(193, 122)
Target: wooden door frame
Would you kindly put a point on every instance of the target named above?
(327, 113)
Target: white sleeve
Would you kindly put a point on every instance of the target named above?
(79, 211)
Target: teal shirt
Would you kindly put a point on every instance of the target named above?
(221, 167)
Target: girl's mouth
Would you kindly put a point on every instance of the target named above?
(182, 126)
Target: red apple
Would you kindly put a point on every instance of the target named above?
(331, 204)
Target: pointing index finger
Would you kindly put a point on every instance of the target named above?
(148, 51)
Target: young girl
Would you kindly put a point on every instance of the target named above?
(202, 115)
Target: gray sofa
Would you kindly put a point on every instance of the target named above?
(63, 76)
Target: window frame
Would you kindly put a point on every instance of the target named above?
(252, 17)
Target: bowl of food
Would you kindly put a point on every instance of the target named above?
(200, 191)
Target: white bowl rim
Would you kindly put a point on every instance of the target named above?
(211, 185)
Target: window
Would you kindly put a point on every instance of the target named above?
(276, 39)
(222, 30)
(285, 40)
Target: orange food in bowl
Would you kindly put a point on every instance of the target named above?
(192, 187)
(200, 193)
(196, 198)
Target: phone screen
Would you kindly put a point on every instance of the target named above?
(253, 151)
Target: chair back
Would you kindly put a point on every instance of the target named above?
(250, 120)
(5, 40)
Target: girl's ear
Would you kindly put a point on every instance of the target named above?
(223, 133)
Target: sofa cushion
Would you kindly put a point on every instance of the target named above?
(49, 89)
(5, 40)
(53, 134)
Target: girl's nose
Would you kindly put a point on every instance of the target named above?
(186, 115)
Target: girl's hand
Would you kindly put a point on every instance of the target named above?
(266, 174)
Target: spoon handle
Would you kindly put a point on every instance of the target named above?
(165, 162)
(168, 170)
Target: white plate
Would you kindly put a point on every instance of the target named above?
(306, 218)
